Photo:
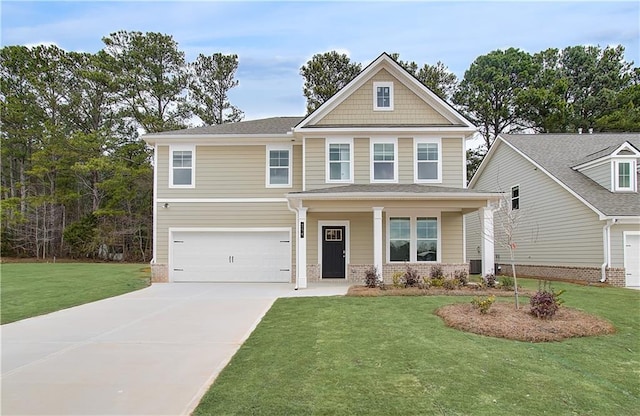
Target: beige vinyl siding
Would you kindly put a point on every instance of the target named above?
(405, 160)
(601, 174)
(361, 156)
(315, 169)
(555, 227)
(451, 238)
(226, 215)
(473, 236)
(227, 172)
(360, 234)
(452, 162)
(408, 107)
(617, 242)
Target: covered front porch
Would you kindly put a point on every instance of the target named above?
(342, 231)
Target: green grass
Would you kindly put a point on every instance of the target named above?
(31, 289)
(393, 356)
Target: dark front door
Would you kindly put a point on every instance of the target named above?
(333, 252)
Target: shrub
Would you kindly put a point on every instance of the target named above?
(461, 276)
(396, 277)
(451, 284)
(545, 302)
(483, 303)
(506, 283)
(410, 278)
(490, 280)
(436, 272)
(372, 277)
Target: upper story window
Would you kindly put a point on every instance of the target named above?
(515, 197)
(278, 166)
(383, 96)
(340, 161)
(181, 170)
(384, 157)
(625, 175)
(428, 163)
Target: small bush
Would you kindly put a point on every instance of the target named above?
(437, 282)
(506, 283)
(372, 277)
(451, 284)
(490, 280)
(483, 303)
(426, 282)
(397, 277)
(436, 272)
(461, 276)
(410, 278)
(545, 302)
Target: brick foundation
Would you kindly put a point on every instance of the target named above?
(615, 276)
(159, 273)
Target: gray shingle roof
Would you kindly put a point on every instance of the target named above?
(272, 125)
(559, 153)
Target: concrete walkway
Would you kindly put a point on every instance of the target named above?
(151, 352)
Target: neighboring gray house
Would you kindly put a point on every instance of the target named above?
(579, 205)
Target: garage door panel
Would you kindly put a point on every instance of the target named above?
(254, 256)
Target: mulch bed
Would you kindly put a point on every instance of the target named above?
(504, 321)
(363, 291)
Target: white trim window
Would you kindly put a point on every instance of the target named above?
(384, 160)
(182, 162)
(413, 239)
(624, 175)
(428, 160)
(339, 157)
(278, 166)
(515, 197)
(383, 96)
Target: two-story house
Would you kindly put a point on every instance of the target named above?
(576, 201)
(376, 176)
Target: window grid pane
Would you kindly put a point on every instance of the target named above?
(399, 239)
(182, 159)
(383, 95)
(624, 175)
(515, 197)
(279, 158)
(427, 239)
(427, 161)
(339, 161)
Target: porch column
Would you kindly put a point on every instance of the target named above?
(301, 261)
(377, 239)
(486, 240)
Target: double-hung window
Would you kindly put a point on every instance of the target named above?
(428, 163)
(383, 96)
(181, 169)
(515, 197)
(384, 156)
(278, 166)
(340, 161)
(413, 239)
(624, 175)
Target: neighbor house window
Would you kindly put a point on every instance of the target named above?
(278, 167)
(383, 96)
(428, 166)
(624, 176)
(384, 167)
(413, 239)
(515, 197)
(340, 157)
(181, 169)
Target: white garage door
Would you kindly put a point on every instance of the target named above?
(632, 259)
(230, 256)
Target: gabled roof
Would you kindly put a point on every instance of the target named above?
(558, 154)
(384, 61)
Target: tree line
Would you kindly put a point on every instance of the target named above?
(77, 180)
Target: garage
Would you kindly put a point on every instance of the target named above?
(230, 255)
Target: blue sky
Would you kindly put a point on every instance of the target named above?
(274, 39)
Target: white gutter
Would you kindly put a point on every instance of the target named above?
(606, 243)
(295, 235)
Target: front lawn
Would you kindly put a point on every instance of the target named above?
(31, 289)
(393, 356)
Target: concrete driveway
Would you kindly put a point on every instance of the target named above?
(151, 352)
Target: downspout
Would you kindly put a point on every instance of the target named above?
(295, 235)
(606, 243)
